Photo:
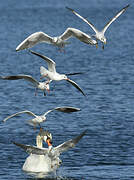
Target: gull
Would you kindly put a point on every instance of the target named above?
(39, 85)
(51, 73)
(46, 159)
(40, 119)
(100, 34)
(60, 41)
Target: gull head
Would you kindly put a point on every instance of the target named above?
(47, 87)
(103, 39)
(63, 77)
(59, 42)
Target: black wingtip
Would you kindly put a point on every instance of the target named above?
(69, 8)
(127, 6)
(77, 73)
(13, 142)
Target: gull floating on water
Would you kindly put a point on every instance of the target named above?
(100, 34)
(39, 119)
(51, 73)
(46, 159)
(60, 41)
(39, 85)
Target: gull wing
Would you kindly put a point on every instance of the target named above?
(50, 62)
(32, 149)
(72, 32)
(75, 85)
(63, 109)
(21, 76)
(114, 18)
(69, 144)
(67, 109)
(18, 113)
(84, 19)
(33, 39)
(71, 74)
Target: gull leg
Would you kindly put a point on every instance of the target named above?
(47, 82)
(44, 93)
(96, 45)
(34, 126)
(36, 92)
(64, 51)
(103, 46)
(48, 90)
(40, 127)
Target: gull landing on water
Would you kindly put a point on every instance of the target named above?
(46, 159)
(39, 85)
(59, 41)
(51, 73)
(100, 34)
(42, 118)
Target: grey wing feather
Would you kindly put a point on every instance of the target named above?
(84, 19)
(76, 86)
(16, 114)
(33, 39)
(114, 18)
(50, 62)
(21, 76)
(67, 109)
(72, 32)
(32, 149)
(69, 144)
(63, 109)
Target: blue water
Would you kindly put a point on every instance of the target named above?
(107, 150)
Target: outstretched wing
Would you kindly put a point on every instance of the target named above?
(63, 109)
(83, 37)
(114, 18)
(67, 109)
(71, 74)
(50, 62)
(32, 149)
(69, 144)
(33, 39)
(84, 19)
(75, 85)
(21, 76)
(18, 113)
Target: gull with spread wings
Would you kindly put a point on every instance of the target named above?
(100, 34)
(51, 73)
(40, 119)
(59, 41)
(46, 159)
(39, 85)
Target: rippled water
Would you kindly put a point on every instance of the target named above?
(107, 151)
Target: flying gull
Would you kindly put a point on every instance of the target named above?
(100, 34)
(59, 41)
(39, 119)
(39, 85)
(51, 73)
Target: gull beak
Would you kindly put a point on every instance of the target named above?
(105, 42)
